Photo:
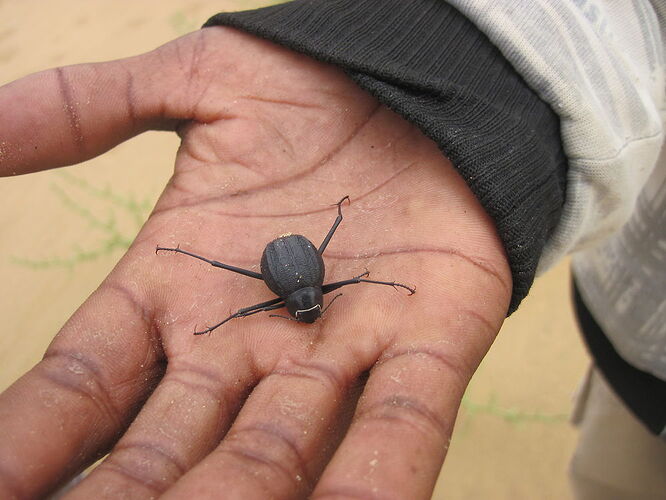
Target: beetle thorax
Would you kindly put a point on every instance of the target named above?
(305, 304)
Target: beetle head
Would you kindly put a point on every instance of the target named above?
(305, 304)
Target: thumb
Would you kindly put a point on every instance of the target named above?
(70, 114)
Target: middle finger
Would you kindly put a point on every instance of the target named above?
(285, 431)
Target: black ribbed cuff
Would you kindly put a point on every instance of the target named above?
(427, 62)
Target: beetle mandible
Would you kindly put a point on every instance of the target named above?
(293, 268)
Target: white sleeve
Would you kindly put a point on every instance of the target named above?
(600, 66)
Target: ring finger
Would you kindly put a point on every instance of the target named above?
(182, 421)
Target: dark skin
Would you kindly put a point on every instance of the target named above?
(360, 404)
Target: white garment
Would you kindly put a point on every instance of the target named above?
(600, 66)
(616, 457)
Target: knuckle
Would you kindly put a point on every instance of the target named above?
(269, 448)
(406, 411)
(450, 362)
(342, 492)
(197, 379)
(146, 463)
(70, 107)
(326, 374)
(74, 372)
(129, 480)
(131, 302)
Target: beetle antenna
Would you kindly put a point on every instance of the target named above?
(281, 316)
(330, 303)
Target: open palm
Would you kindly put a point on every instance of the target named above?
(360, 403)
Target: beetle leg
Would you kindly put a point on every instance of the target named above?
(214, 263)
(359, 279)
(337, 222)
(334, 286)
(269, 305)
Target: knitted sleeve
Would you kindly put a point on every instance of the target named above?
(427, 62)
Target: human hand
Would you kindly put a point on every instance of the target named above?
(360, 403)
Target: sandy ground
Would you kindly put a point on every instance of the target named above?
(512, 439)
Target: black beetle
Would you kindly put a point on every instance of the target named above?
(294, 270)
